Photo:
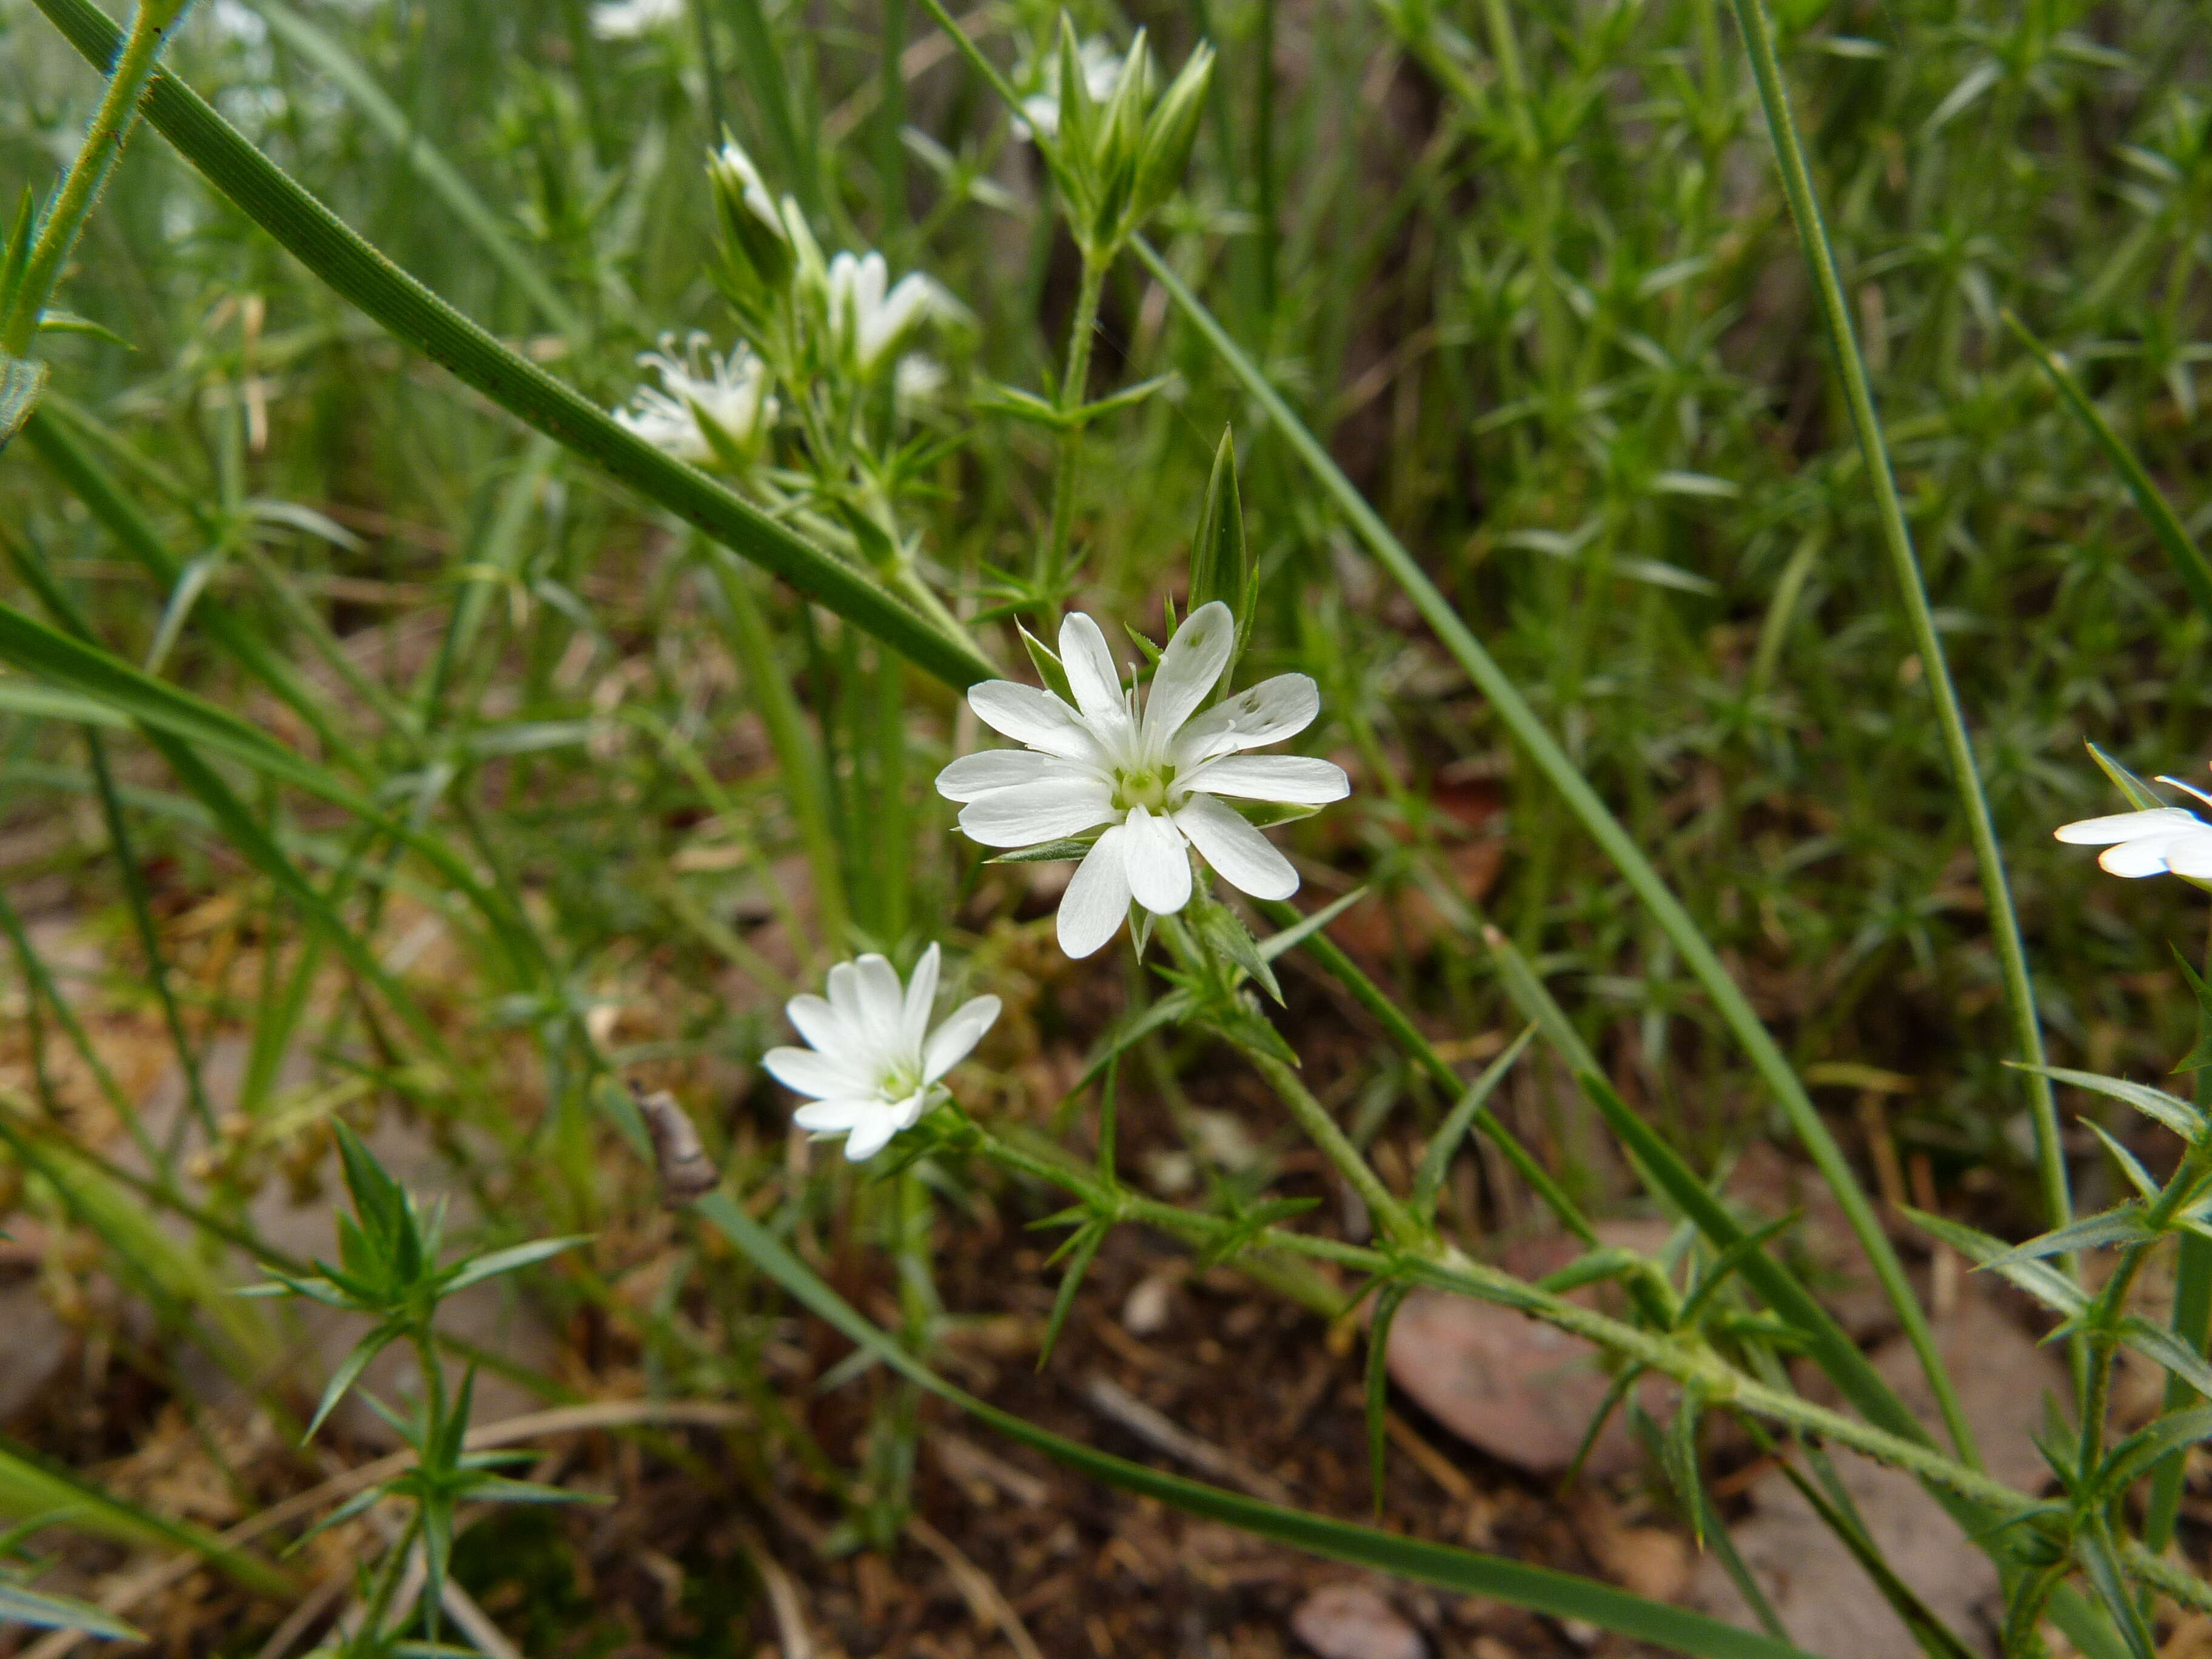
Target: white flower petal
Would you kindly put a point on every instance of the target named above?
(1259, 715)
(1189, 669)
(1297, 779)
(871, 1135)
(2191, 854)
(2126, 826)
(807, 1073)
(843, 986)
(818, 1023)
(833, 1117)
(1034, 717)
(2143, 856)
(883, 1002)
(1153, 854)
(1000, 769)
(1234, 847)
(1035, 812)
(952, 1041)
(1092, 674)
(1097, 898)
(920, 998)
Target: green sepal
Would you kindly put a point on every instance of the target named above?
(1170, 134)
(1049, 668)
(1221, 563)
(1050, 852)
(1223, 929)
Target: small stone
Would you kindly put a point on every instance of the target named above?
(1350, 1621)
(1145, 1311)
(1524, 1392)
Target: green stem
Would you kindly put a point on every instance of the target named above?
(1392, 1217)
(89, 174)
(1052, 570)
(1446, 1269)
(1897, 537)
(1408, 1035)
(1545, 752)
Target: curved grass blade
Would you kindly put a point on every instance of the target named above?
(428, 162)
(1958, 747)
(411, 312)
(1559, 1595)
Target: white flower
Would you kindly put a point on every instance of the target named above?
(730, 391)
(867, 320)
(917, 379)
(626, 20)
(2161, 840)
(1102, 72)
(871, 1061)
(733, 171)
(1154, 779)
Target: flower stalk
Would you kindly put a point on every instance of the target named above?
(1051, 571)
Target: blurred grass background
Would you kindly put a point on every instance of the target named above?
(1526, 268)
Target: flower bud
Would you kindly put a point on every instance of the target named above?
(754, 230)
(1171, 133)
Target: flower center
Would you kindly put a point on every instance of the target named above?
(1147, 789)
(897, 1082)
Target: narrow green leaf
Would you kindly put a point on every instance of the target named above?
(2188, 559)
(2177, 1115)
(2133, 1456)
(1540, 1590)
(2177, 1357)
(1386, 1304)
(1444, 1146)
(413, 314)
(1936, 1639)
(517, 1256)
(2122, 1225)
(2100, 1565)
(2038, 1278)
(1084, 1245)
(348, 1372)
(21, 1606)
(2130, 1165)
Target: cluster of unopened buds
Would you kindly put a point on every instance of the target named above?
(1153, 777)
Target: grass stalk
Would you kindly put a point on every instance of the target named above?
(1897, 539)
